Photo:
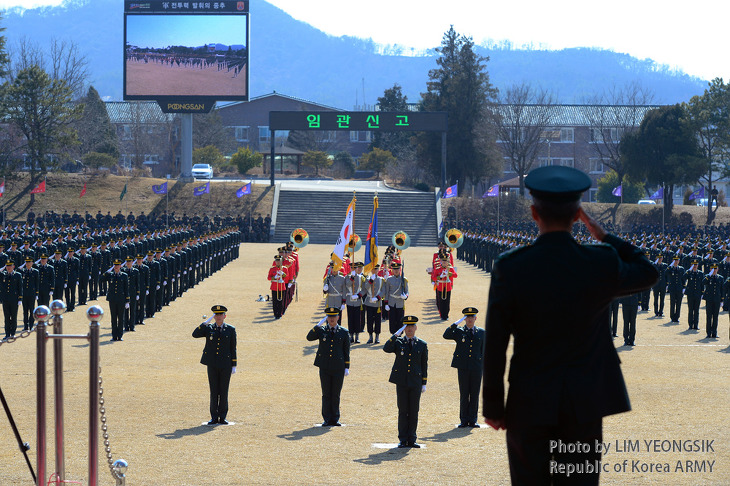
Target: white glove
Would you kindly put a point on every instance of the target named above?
(399, 331)
(343, 307)
(233, 370)
(137, 298)
(77, 282)
(423, 389)
(185, 272)
(352, 274)
(322, 321)
(325, 288)
(288, 285)
(20, 302)
(387, 307)
(173, 280)
(65, 286)
(404, 296)
(157, 288)
(50, 294)
(373, 299)
(353, 297)
(126, 306)
(147, 292)
(372, 277)
(460, 320)
(347, 371)
(164, 282)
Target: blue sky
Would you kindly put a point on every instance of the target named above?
(187, 30)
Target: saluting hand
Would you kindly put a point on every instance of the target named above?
(593, 226)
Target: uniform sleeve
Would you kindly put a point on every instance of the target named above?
(313, 334)
(424, 363)
(234, 358)
(636, 272)
(450, 332)
(200, 331)
(497, 337)
(390, 345)
(346, 350)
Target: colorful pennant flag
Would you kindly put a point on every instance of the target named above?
(244, 190)
(371, 243)
(40, 188)
(204, 189)
(160, 188)
(83, 191)
(617, 191)
(338, 256)
(124, 192)
(452, 191)
(659, 194)
(2, 188)
(492, 191)
(698, 194)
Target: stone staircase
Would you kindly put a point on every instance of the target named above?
(321, 214)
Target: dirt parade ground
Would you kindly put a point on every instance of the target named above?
(157, 79)
(156, 396)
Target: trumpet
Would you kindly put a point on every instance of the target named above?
(454, 238)
(299, 237)
(401, 240)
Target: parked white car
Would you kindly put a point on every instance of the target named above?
(203, 171)
(646, 201)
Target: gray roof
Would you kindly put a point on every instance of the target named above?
(131, 112)
(585, 115)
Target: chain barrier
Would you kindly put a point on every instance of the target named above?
(105, 432)
(12, 339)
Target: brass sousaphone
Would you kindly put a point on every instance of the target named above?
(454, 238)
(299, 237)
(401, 240)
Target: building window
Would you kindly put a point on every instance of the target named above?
(360, 136)
(151, 159)
(126, 132)
(592, 195)
(508, 166)
(596, 166)
(567, 135)
(616, 134)
(565, 162)
(596, 135)
(543, 162)
(264, 134)
(329, 135)
(241, 134)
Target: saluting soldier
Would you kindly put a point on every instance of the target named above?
(85, 264)
(118, 298)
(374, 291)
(409, 373)
(713, 284)
(675, 285)
(333, 361)
(693, 290)
(219, 355)
(353, 298)
(60, 269)
(130, 312)
(334, 289)
(11, 293)
(396, 293)
(468, 360)
(31, 286)
(46, 281)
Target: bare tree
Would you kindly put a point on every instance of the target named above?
(521, 118)
(62, 61)
(611, 115)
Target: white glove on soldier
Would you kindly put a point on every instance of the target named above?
(347, 371)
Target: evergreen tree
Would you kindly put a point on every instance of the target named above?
(460, 86)
(95, 130)
(397, 143)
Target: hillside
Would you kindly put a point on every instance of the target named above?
(103, 191)
(336, 71)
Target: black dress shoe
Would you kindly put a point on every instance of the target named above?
(415, 445)
(474, 425)
(213, 422)
(326, 424)
(463, 425)
(335, 424)
(222, 421)
(403, 445)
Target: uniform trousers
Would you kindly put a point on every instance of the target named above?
(277, 302)
(10, 309)
(628, 309)
(28, 306)
(219, 379)
(331, 382)
(116, 309)
(140, 307)
(70, 292)
(373, 319)
(530, 455)
(83, 291)
(693, 309)
(613, 310)
(409, 402)
(469, 387)
(659, 294)
(130, 315)
(151, 303)
(644, 299)
(395, 319)
(675, 304)
(94, 286)
(712, 309)
(355, 319)
(443, 303)
(44, 298)
(58, 292)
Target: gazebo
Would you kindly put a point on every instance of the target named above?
(281, 152)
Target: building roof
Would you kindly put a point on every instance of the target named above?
(133, 112)
(269, 95)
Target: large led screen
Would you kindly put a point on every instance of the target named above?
(186, 56)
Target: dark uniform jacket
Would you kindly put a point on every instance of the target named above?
(562, 350)
(334, 347)
(31, 281)
(220, 345)
(60, 269)
(46, 279)
(469, 351)
(11, 286)
(134, 281)
(118, 286)
(411, 365)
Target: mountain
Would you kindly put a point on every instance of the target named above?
(294, 58)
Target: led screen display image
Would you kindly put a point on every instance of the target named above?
(186, 56)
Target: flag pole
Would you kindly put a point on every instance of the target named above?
(167, 205)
